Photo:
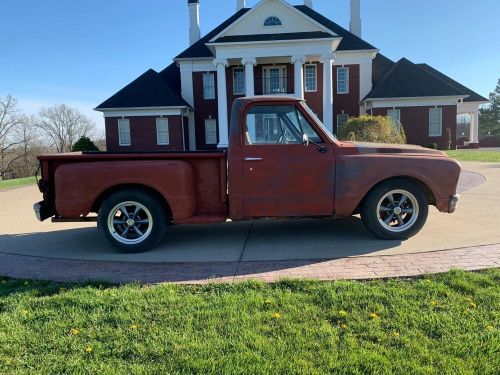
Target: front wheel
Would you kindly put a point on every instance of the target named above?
(132, 221)
(395, 210)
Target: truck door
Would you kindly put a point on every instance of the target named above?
(281, 175)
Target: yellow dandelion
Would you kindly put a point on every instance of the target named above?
(395, 334)
(268, 301)
(74, 331)
(133, 327)
(24, 312)
(472, 305)
(489, 328)
(434, 303)
(277, 316)
(343, 326)
(373, 316)
(428, 281)
(342, 313)
(88, 349)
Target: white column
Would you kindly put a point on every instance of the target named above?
(249, 63)
(327, 61)
(298, 64)
(474, 127)
(222, 103)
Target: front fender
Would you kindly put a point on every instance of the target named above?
(358, 174)
(79, 185)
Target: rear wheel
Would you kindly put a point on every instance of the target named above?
(395, 210)
(132, 221)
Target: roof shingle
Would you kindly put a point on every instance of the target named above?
(407, 80)
(148, 90)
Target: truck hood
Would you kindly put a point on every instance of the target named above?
(385, 148)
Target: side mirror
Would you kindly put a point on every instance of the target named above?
(305, 140)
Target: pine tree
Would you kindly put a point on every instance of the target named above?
(489, 120)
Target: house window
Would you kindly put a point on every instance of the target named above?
(210, 131)
(435, 122)
(395, 114)
(342, 119)
(238, 81)
(311, 78)
(274, 80)
(343, 81)
(162, 133)
(209, 86)
(124, 132)
(272, 21)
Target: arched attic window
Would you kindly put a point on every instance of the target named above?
(272, 21)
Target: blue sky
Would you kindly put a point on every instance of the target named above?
(81, 52)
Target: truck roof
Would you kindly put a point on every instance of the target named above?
(274, 98)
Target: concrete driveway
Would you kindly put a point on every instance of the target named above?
(475, 223)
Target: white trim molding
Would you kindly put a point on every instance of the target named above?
(143, 111)
(412, 102)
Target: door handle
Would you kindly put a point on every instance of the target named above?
(252, 159)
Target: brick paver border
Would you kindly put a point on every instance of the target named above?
(354, 268)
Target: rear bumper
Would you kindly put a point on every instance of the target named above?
(42, 212)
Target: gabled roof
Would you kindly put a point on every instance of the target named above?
(407, 80)
(151, 89)
(473, 96)
(380, 66)
(199, 49)
(350, 42)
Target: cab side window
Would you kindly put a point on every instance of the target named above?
(276, 125)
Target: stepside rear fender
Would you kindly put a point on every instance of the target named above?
(79, 185)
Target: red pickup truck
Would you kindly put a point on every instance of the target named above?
(281, 162)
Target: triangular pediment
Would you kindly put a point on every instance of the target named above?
(282, 19)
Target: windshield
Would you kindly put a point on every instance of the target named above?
(318, 121)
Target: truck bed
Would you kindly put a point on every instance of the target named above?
(193, 183)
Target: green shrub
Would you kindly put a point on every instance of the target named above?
(372, 129)
(434, 146)
(84, 144)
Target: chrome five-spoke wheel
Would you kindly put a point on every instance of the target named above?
(397, 210)
(130, 222)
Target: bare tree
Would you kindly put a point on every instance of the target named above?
(30, 142)
(9, 119)
(64, 125)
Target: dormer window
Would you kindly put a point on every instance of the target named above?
(272, 21)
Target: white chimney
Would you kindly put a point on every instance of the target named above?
(308, 3)
(240, 4)
(355, 25)
(194, 21)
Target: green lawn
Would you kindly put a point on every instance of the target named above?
(473, 155)
(446, 324)
(17, 182)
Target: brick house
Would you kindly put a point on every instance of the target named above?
(276, 48)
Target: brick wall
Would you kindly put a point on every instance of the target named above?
(143, 134)
(415, 121)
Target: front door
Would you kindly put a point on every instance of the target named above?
(281, 175)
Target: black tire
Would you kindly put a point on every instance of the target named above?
(146, 228)
(403, 222)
